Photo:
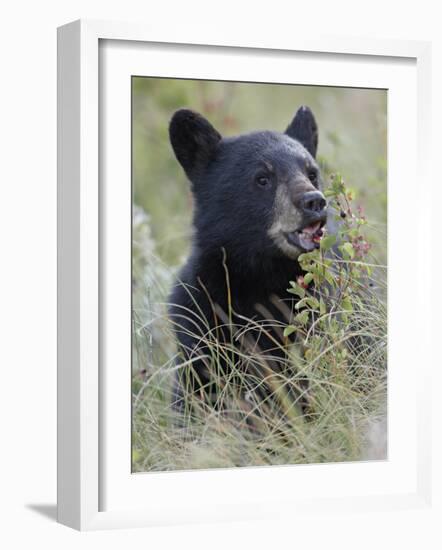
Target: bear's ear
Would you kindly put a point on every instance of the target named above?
(304, 129)
(194, 140)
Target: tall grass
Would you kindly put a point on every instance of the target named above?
(335, 373)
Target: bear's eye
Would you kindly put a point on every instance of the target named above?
(262, 180)
(312, 175)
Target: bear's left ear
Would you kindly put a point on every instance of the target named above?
(304, 129)
(194, 141)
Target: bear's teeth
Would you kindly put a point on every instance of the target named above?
(311, 229)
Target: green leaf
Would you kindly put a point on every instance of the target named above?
(346, 304)
(312, 302)
(297, 290)
(308, 256)
(327, 242)
(329, 192)
(290, 329)
(329, 277)
(322, 307)
(302, 317)
(308, 278)
(302, 303)
(348, 250)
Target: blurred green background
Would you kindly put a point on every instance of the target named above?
(352, 141)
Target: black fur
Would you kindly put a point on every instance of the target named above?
(194, 141)
(304, 128)
(234, 182)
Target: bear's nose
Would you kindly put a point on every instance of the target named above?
(312, 202)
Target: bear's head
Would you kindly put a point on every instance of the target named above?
(255, 194)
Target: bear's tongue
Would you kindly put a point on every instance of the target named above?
(310, 236)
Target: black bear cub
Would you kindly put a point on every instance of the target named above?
(257, 206)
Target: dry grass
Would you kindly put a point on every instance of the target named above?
(344, 364)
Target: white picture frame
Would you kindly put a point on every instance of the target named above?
(84, 466)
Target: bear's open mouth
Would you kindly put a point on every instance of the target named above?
(308, 237)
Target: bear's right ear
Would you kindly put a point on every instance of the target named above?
(304, 129)
(194, 140)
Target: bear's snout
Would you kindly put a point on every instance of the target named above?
(312, 202)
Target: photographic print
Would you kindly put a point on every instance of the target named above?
(259, 274)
